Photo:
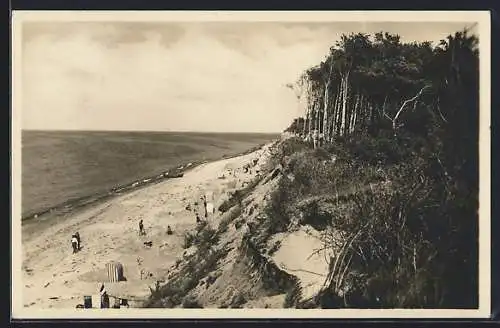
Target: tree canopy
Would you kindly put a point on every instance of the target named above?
(378, 82)
(411, 111)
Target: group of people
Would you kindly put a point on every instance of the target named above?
(105, 304)
(142, 232)
(207, 208)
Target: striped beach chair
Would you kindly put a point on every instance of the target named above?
(114, 271)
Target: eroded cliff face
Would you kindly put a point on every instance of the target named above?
(242, 259)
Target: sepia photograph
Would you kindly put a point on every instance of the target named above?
(250, 164)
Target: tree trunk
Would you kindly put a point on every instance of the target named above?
(305, 122)
(344, 106)
(353, 116)
(370, 113)
(304, 127)
(325, 110)
(332, 119)
(309, 123)
(339, 109)
(316, 126)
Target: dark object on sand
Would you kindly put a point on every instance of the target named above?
(80, 306)
(74, 244)
(204, 198)
(87, 302)
(124, 302)
(141, 228)
(198, 220)
(117, 303)
(105, 301)
(104, 298)
(169, 230)
(148, 243)
(77, 235)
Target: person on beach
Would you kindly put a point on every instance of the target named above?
(204, 198)
(104, 297)
(77, 235)
(74, 244)
(169, 230)
(141, 228)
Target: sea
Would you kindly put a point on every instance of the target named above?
(64, 167)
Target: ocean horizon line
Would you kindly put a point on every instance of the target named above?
(154, 131)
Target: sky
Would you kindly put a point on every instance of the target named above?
(182, 76)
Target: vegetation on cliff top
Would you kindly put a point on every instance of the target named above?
(386, 157)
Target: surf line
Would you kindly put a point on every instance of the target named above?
(73, 204)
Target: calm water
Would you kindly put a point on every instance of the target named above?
(61, 166)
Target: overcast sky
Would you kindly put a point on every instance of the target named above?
(182, 77)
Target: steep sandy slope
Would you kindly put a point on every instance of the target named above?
(239, 261)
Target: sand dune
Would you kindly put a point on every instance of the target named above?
(53, 277)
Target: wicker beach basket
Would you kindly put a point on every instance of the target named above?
(114, 271)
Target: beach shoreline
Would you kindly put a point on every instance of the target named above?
(71, 206)
(55, 278)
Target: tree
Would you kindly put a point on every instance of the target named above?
(411, 109)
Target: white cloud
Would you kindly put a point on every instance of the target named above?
(201, 80)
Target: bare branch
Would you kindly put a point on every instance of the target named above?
(394, 120)
(441, 114)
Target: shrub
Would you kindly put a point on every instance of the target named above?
(237, 196)
(399, 240)
(286, 148)
(175, 290)
(276, 210)
(189, 239)
(292, 296)
(190, 302)
(237, 301)
(203, 236)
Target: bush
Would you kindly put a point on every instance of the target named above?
(237, 197)
(399, 240)
(175, 291)
(189, 239)
(190, 302)
(286, 148)
(237, 301)
(203, 236)
(276, 210)
(292, 296)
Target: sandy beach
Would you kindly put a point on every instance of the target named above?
(53, 277)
